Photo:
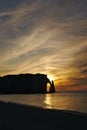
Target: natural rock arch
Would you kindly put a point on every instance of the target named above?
(51, 87)
(25, 83)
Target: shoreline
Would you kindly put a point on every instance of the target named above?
(39, 107)
(14, 116)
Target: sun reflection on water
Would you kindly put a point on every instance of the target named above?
(47, 101)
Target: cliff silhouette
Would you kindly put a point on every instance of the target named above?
(25, 83)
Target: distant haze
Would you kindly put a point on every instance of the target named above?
(45, 36)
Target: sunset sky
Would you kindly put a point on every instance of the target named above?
(45, 36)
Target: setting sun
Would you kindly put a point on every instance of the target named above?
(51, 77)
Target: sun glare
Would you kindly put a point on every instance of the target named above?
(51, 77)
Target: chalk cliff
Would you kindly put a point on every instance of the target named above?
(25, 83)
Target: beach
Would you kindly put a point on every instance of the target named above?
(15, 116)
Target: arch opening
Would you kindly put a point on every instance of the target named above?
(48, 87)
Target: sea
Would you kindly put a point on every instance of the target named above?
(73, 101)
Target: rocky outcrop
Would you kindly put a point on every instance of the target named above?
(25, 83)
(52, 88)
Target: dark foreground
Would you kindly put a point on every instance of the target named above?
(21, 117)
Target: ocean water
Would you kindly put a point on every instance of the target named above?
(62, 101)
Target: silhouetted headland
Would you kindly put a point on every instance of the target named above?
(22, 117)
(25, 83)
